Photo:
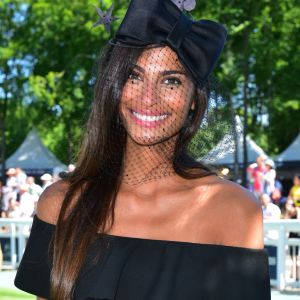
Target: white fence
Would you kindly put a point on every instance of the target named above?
(17, 231)
(286, 266)
(283, 269)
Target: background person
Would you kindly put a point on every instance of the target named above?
(256, 173)
(294, 193)
(34, 189)
(269, 177)
(47, 180)
(21, 176)
(277, 198)
(27, 202)
(270, 210)
(9, 191)
(11, 182)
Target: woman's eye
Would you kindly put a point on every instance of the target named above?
(134, 76)
(172, 81)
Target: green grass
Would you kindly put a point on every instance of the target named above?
(14, 294)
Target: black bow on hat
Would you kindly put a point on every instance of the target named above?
(198, 44)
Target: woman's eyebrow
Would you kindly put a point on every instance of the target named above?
(164, 73)
(137, 67)
(170, 72)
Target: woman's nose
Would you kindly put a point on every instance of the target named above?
(149, 94)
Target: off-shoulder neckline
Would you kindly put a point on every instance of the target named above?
(160, 241)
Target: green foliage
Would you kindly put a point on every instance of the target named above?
(48, 53)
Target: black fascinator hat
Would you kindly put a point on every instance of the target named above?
(198, 44)
(168, 112)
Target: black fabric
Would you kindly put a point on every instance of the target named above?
(141, 269)
(34, 270)
(197, 43)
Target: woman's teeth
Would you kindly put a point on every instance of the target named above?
(149, 118)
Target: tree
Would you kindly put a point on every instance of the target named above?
(11, 73)
(57, 41)
(260, 66)
(48, 52)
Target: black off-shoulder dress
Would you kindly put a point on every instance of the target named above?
(143, 269)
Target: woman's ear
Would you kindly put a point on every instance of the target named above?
(194, 99)
(191, 110)
(193, 105)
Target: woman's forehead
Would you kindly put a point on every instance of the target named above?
(159, 58)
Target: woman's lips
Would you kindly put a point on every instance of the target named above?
(149, 119)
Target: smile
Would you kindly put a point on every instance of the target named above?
(148, 118)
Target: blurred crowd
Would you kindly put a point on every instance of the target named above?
(20, 194)
(267, 188)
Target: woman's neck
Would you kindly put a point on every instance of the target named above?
(145, 163)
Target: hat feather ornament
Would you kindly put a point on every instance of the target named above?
(187, 5)
(106, 18)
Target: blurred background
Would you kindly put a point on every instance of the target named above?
(48, 55)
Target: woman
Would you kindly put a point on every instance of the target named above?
(269, 177)
(139, 218)
(294, 193)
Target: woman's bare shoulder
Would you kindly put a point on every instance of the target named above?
(49, 204)
(237, 214)
(219, 189)
(232, 193)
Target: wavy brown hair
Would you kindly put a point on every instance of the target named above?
(88, 207)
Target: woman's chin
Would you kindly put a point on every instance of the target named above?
(146, 140)
(151, 140)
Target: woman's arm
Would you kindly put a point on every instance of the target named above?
(49, 204)
(37, 248)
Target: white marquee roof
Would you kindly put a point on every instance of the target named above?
(291, 153)
(33, 155)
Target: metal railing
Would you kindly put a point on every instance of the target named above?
(277, 239)
(17, 231)
(277, 242)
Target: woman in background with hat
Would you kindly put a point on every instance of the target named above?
(269, 176)
(47, 180)
(9, 191)
(140, 218)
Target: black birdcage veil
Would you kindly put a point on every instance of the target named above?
(159, 117)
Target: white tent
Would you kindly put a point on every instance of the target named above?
(223, 153)
(291, 155)
(33, 156)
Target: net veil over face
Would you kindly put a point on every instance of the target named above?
(154, 107)
(167, 119)
(156, 98)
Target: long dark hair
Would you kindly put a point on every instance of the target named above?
(88, 207)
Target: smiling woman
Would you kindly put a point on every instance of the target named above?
(140, 218)
(157, 107)
(157, 97)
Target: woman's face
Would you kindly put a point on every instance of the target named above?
(290, 205)
(157, 97)
(296, 181)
